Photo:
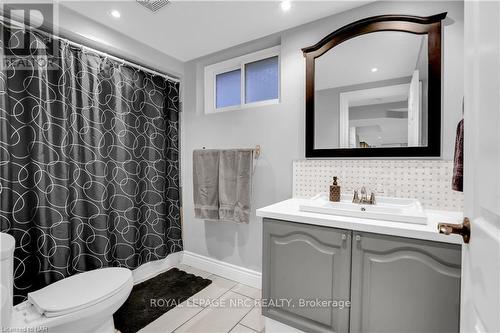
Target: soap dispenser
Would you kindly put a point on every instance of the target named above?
(335, 191)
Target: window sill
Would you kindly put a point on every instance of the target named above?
(244, 106)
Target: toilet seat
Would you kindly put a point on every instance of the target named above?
(79, 291)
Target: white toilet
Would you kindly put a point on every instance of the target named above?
(83, 302)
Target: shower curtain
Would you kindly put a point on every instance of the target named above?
(89, 164)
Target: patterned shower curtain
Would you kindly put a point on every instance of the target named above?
(89, 165)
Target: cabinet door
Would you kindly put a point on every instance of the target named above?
(404, 285)
(304, 262)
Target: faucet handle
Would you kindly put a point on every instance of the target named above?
(372, 198)
(355, 198)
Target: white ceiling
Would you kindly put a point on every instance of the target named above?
(190, 29)
(393, 53)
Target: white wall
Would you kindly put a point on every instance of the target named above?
(279, 129)
(271, 127)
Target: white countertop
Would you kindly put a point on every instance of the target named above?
(288, 210)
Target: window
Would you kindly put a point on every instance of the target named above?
(261, 80)
(228, 89)
(247, 81)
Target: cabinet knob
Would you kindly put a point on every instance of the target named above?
(358, 238)
(344, 236)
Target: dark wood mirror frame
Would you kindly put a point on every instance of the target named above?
(404, 23)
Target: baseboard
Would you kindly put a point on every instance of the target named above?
(151, 269)
(229, 271)
(274, 326)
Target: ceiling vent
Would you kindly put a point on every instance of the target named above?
(153, 5)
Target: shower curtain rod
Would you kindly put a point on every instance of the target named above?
(107, 55)
(123, 61)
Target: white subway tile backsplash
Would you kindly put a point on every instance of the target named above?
(428, 181)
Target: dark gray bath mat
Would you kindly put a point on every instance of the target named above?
(166, 290)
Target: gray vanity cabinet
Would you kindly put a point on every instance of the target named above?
(304, 262)
(394, 284)
(404, 285)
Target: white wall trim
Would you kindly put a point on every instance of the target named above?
(229, 271)
(153, 268)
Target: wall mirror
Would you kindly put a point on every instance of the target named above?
(373, 89)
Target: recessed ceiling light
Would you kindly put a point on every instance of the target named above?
(115, 13)
(374, 69)
(286, 5)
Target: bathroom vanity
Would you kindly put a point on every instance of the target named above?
(381, 266)
(350, 274)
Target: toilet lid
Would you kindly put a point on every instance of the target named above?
(79, 291)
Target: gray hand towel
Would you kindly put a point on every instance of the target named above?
(235, 184)
(206, 184)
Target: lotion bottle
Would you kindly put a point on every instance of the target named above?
(335, 191)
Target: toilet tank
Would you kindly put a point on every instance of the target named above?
(7, 244)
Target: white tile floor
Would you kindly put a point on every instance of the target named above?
(224, 306)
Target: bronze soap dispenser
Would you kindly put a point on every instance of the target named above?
(335, 191)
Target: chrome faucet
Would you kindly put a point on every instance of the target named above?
(364, 197)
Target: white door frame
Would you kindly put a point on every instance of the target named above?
(348, 98)
(414, 110)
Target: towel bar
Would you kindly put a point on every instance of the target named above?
(256, 151)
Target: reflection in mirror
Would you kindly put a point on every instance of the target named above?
(371, 92)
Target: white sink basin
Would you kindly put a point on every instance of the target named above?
(386, 208)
